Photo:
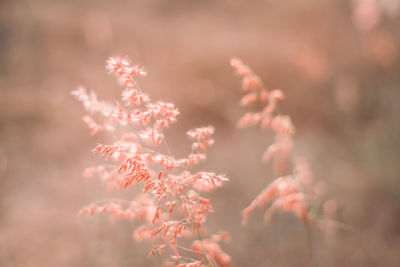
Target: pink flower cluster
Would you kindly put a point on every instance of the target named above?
(294, 189)
(171, 205)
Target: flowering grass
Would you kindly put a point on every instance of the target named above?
(294, 190)
(171, 206)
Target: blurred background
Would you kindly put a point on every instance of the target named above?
(337, 61)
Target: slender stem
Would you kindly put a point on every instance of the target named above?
(190, 250)
(311, 243)
(166, 146)
(198, 233)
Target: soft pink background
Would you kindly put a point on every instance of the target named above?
(340, 74)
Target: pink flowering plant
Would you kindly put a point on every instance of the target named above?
(171, 205)
(294, 189)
